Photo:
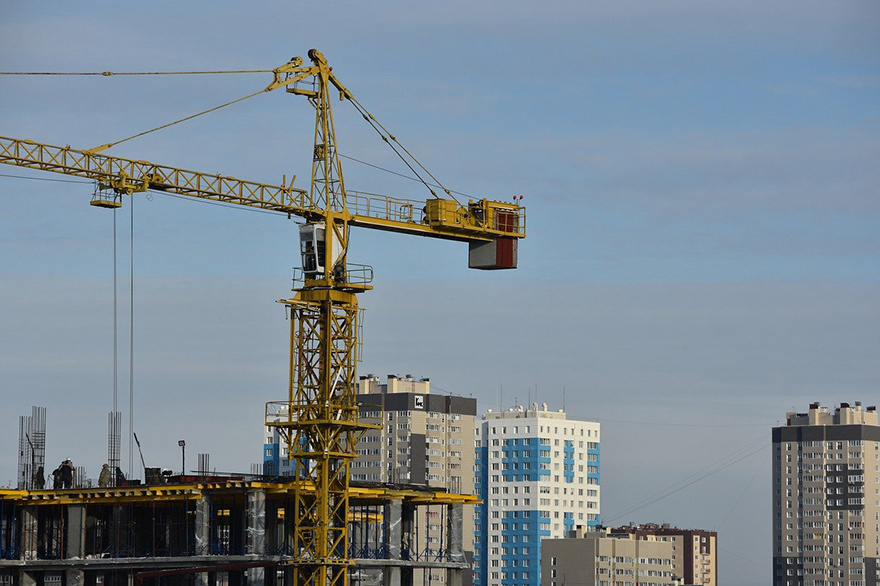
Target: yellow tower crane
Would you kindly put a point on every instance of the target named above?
(319, 419)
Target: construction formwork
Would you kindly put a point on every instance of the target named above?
(217, 533)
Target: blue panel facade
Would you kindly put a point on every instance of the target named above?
(521, 553)
(593, 468)
(271, 459)
(481, 517)
(521, 460)
(568, 461)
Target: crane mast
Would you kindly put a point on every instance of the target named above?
(322, 425)
(319, 418)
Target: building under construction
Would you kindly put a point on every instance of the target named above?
(216, 531)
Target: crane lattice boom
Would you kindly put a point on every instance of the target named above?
(437, 218)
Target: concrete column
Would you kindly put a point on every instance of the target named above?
(256, 523)
(391, 576)
(75, 577)
(26, 578)
(409, 548)
(76, 534)
(29, 533)
(454, 525)
(454, 542)
(256, 534)
(256, 576)
(393, 532)
(202, 533)
(202, 529)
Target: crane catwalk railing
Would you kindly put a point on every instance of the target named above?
(370, 210)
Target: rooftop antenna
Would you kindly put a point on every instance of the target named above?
(563, 397)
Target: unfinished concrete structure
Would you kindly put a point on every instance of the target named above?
(213, 532)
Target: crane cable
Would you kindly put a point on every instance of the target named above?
(112, 73)
(382, 131)
(417, 179)
(374, 123)
(215, 108)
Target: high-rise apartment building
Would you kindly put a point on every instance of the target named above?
(426, 440)
(537, 473)
(826, 497)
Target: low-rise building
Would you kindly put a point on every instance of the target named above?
(598, 558)
(694, 551)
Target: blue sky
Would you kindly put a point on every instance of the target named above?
(703, 225)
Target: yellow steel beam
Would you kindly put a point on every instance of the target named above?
(127, 176)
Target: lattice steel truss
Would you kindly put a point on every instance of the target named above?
(321, 430)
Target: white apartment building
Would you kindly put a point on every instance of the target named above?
(538, 475)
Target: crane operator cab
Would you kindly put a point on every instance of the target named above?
(312, 242)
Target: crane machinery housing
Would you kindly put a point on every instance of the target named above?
(319, 418)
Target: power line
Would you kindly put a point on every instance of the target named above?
(745, 559)
(758, 468)
(667, 424)
(714, 468)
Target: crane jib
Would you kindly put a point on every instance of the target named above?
(479, 221)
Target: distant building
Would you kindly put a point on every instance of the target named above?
(825, 505)
(275, 456)
(694, 551)
(426, 440)
(600, 558)
(537, 473)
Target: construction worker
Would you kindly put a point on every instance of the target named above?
(105, 477)
(39, 479)
(67, 473)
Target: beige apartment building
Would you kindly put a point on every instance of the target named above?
(826, 497)
(694, 551)
(598, 558)
(425, 440)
